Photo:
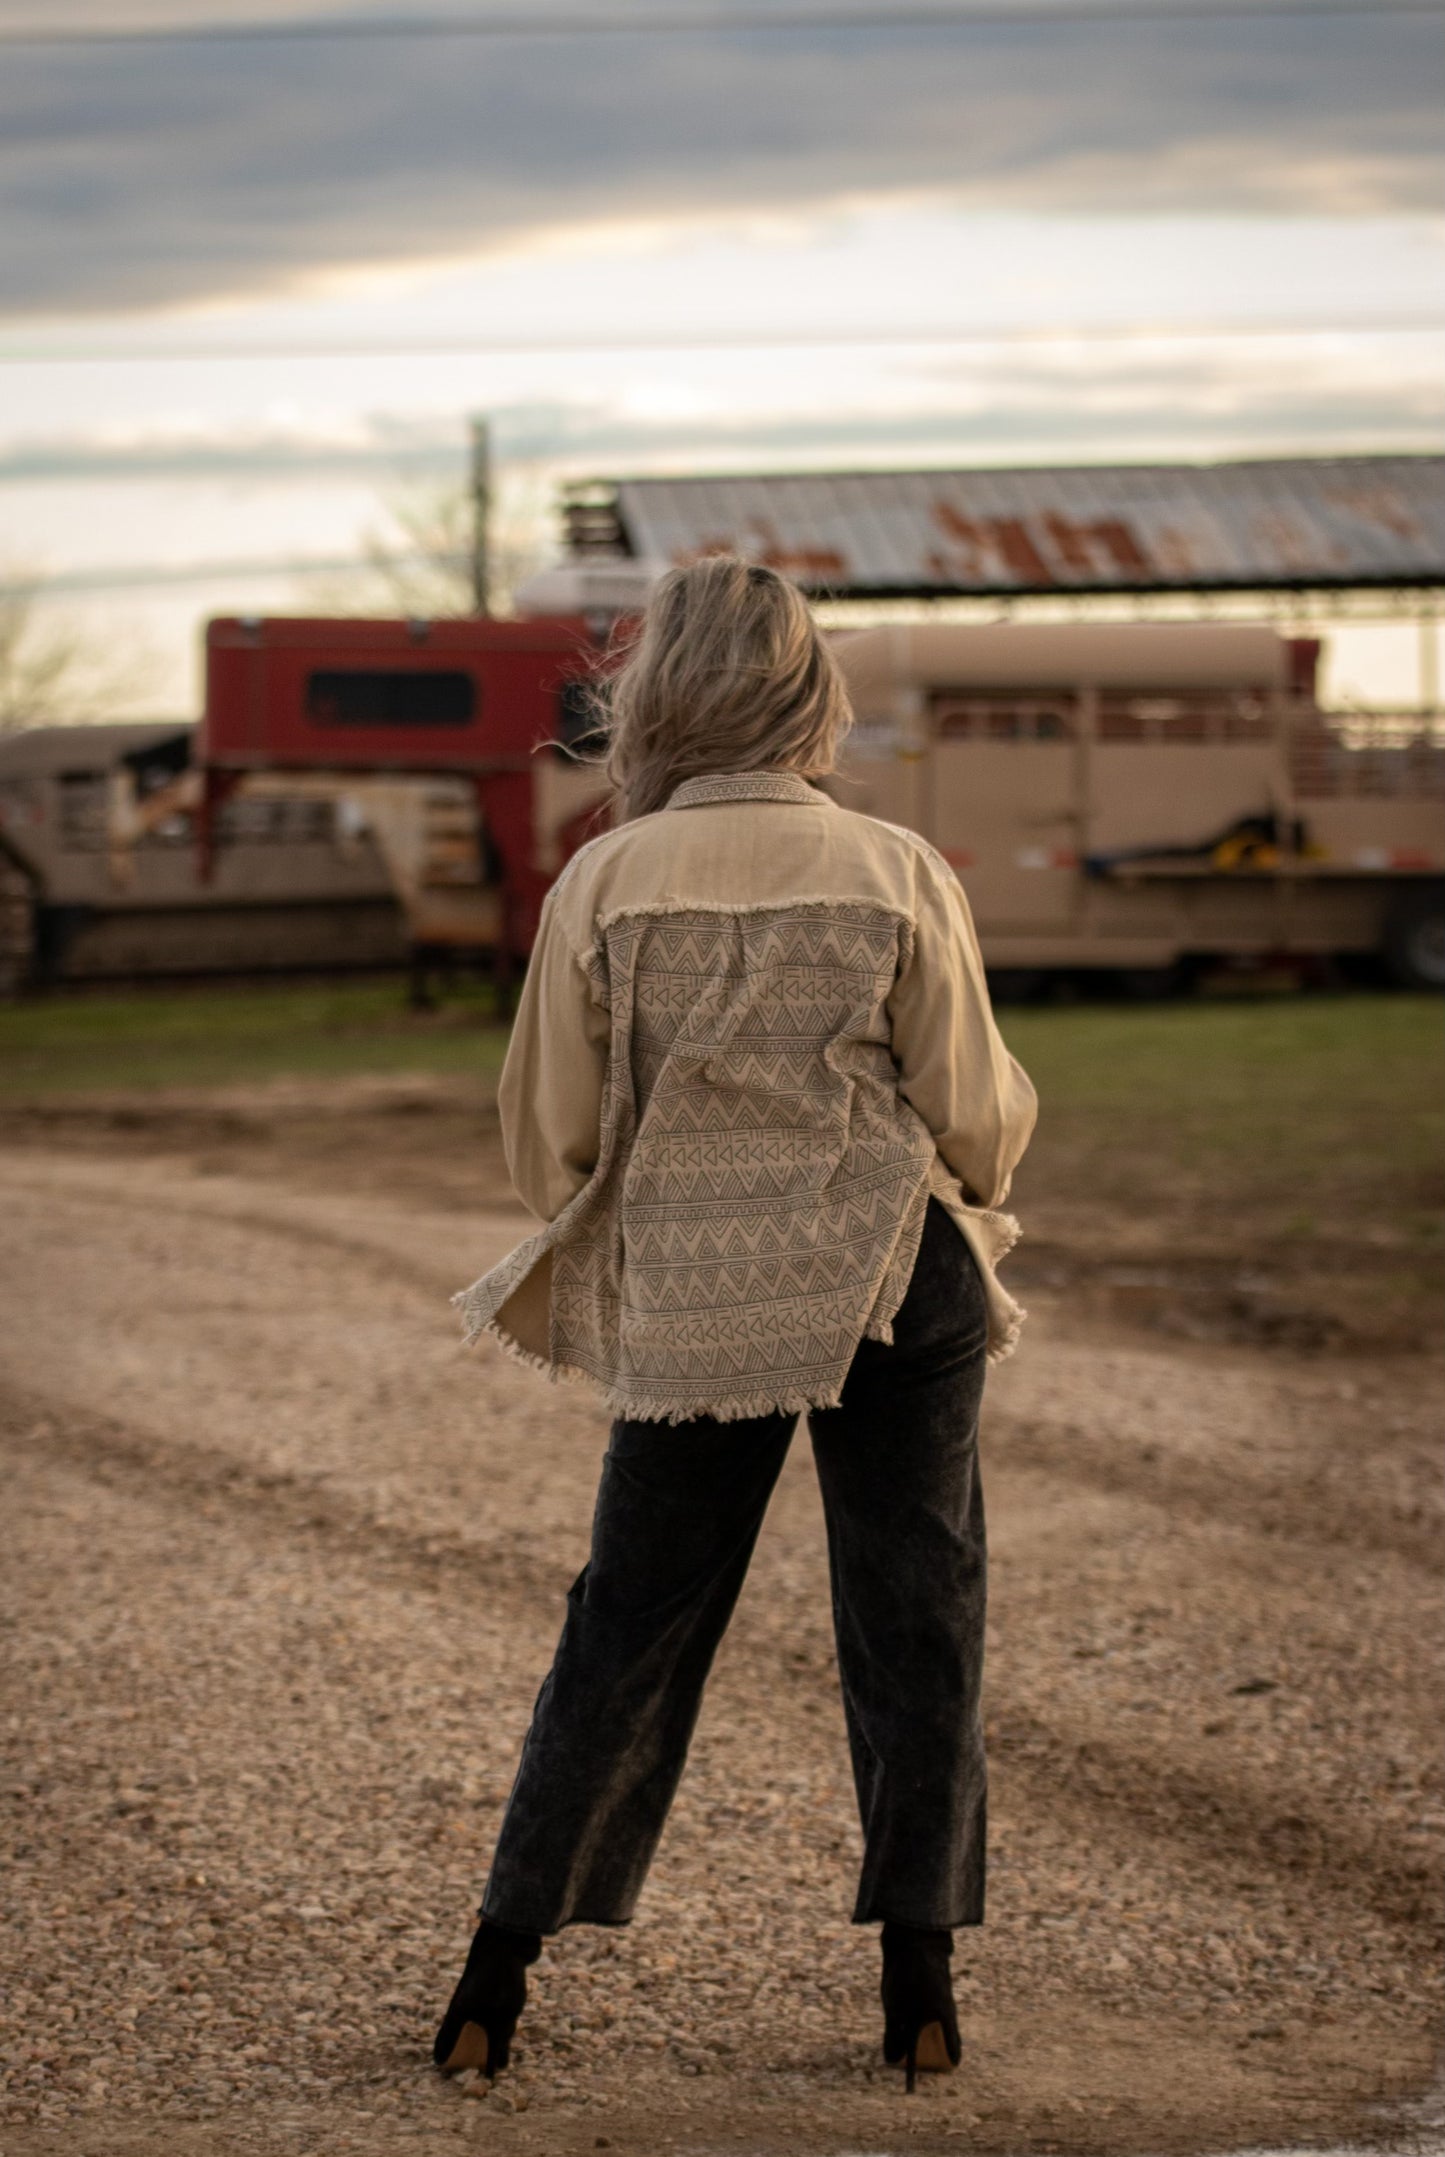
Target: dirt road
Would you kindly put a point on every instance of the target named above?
(284, 1568)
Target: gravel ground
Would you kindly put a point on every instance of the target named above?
(284, 1569)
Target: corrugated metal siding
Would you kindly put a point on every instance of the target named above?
(1311, 523)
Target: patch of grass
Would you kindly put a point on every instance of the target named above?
(1307, 1115)
(153, 1038)
(1317, 1110)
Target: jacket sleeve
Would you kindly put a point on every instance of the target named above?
(953, 1066)
(550, 1093)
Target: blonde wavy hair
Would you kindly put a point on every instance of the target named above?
(728, 671)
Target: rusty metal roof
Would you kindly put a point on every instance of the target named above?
(1288, 524)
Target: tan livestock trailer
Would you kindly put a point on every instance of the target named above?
(1134, 796)
(83, 897)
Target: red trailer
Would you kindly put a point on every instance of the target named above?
(456, 741)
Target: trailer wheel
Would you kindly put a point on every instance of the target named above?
(1414, 946)
(17, 929)
(1148, 984)
(1017, 984)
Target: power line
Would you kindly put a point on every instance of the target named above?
(51, 355)
(705, 22)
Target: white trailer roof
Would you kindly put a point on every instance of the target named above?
(1063, 655)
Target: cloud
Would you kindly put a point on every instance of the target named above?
(382, 446)
(170, 174)
(1148, 414)
(1137, 405)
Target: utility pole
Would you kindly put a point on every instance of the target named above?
(481, 493)
(1430, 664)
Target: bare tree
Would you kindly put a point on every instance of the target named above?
(52, 668)
(418, 562)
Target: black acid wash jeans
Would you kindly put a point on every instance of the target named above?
(678, 1513)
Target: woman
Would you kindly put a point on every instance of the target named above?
(757, 1096)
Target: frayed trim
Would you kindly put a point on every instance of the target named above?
(706, 789)
(555, 1373)
(997, 1233)
(593, 961)
(655, 909)
(1001, 1349)
(1007, 1230)
(731, 1408)
(476, 1309)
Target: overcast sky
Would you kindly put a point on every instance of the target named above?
(1234, 186)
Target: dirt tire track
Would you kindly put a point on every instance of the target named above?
(1321, 1505)
(513, 1567)
(125, 1192)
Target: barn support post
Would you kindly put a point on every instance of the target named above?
(909, 704)
(1086, 728)
(1430, 663)
(1287, 884)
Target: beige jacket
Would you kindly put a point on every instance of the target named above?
(753, 1037)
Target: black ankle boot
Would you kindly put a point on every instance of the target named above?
(920, 2022)
(477, 2027)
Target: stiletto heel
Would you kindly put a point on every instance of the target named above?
(476, 2030)
(920, 2021)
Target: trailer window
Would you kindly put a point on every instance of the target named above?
(363, 697)
(1190, 716)
(957, 716)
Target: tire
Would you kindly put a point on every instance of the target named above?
(1414, 945)
(1018, 984)
(1148, 984)
(17, 931)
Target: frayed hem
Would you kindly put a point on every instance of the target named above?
(475, 1320)
(990, 1235)
(733, 1408)
(492, 1329)
(1000, 1350)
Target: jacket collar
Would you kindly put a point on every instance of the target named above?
(711, 786)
